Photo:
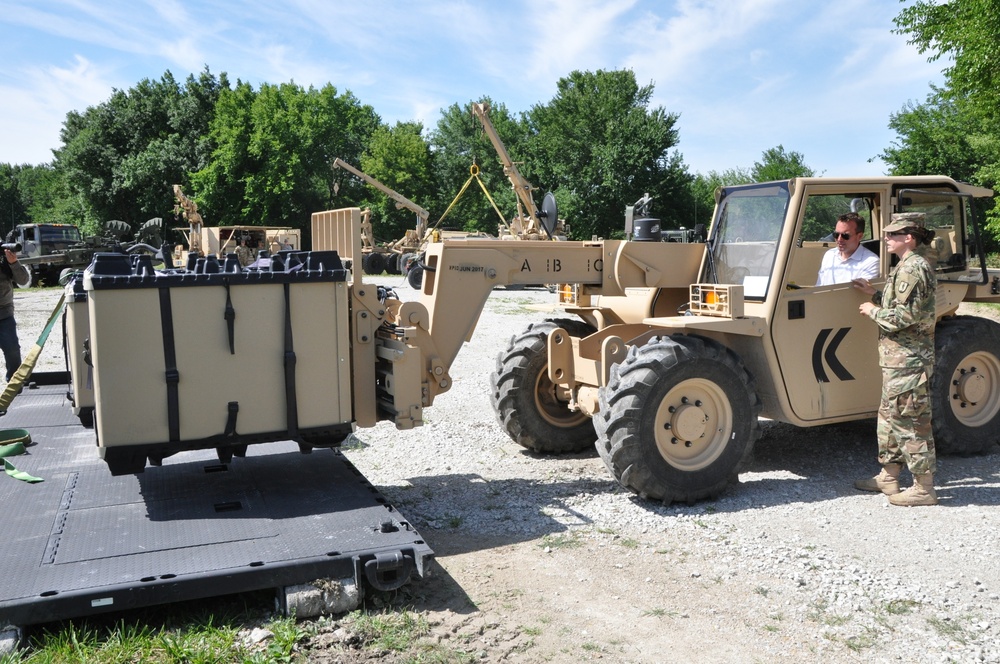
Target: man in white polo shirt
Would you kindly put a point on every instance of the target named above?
(848, 260)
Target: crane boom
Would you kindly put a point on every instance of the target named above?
(526, 209)
(401, 201)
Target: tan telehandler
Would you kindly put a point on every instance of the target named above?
(665, 354)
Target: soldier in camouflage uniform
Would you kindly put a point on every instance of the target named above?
(244, 253)
(905, 314)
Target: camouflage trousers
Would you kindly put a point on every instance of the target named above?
(904, 424)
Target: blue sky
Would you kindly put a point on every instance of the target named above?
(820, 78)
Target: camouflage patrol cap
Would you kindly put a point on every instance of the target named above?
(904, 220)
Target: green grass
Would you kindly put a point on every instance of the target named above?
(216, 632)
(388, 631)
(561, 541)
(949, 629)
(660, 613)
(190, 632)
(900, 607)
(860, 642)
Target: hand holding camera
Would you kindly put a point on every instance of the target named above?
(11, 249)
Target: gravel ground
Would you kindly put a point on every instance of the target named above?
(545, 559)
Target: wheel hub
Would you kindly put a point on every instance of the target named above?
(975, 399)
(688, 422)
(972, 386)
(694, 422)
(552, 402)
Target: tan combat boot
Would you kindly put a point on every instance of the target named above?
(886, 482)
(921, 493)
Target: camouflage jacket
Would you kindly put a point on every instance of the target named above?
(245, 255)
(18, 275)
(906, 316)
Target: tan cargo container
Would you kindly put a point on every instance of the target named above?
(76, 323)
(220, 358)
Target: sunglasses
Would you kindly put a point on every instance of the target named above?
(896, 234)
(842, 236)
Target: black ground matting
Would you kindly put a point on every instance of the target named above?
(85, 542)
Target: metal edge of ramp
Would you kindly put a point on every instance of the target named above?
(84, 542)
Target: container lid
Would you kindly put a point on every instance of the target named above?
(117, 271)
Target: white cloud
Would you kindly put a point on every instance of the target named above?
(700, 39)
(35, 107)
(568, 35)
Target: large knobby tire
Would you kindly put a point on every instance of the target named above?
(415, 276)
(531, 409)
(677, 420)
(32, 277)
(965, 387)
(376, 264)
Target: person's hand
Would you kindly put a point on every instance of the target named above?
(864, 286)
(866, 308)
(11, 256)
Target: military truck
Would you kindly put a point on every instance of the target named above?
(402, 256)
(662, 354)
(48, 249)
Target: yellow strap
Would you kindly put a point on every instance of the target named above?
(490, 199)
(474, 169)
(455, 200)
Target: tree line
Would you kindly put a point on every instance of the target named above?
(264, 157)
(956, 130)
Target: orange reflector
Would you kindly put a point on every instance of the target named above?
(711, 297)
(566, 293)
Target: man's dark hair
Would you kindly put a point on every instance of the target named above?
(859, 221)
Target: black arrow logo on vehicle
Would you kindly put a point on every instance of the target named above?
(830, 355)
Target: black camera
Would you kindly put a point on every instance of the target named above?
(11, 246)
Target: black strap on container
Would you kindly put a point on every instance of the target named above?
(233, 407)
(170, 362)
(291, 403)
(230, 317)
(65, 345)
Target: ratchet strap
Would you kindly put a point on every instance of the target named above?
(170, 373)
(12, 443)
(230, 316)
(291, 401)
